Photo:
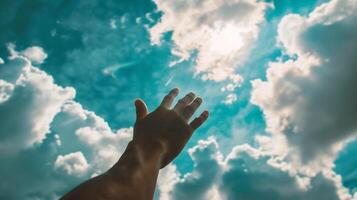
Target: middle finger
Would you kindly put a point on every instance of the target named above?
(182, 103)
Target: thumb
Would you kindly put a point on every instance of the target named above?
(141, 109)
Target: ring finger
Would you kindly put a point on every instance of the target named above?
(191, 109)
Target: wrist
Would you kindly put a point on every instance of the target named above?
(148, 150)
(136, 166)
(137, 156)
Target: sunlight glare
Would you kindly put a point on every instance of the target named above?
(226, 40)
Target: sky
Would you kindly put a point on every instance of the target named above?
(278, 77)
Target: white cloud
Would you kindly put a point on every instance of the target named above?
(35, 54)
(223, 32)
(29, 102)
(92, 134)
(309, 100)
(1, 61)
(107, 147)
(73, 164)
(79, 128)
(166, 181)
(43, 129)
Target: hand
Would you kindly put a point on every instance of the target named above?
(165, 129)
(158, 138)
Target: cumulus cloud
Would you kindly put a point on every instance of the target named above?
(309, 100)
(93, 136)
(72, 164)
(249, 173)
(196, 184)
(29, 102)
(79, 129)
(35, 54)
(222, 33)
(166, 181)
(60, 143)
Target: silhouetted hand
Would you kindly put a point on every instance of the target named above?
(167, 129)
(158, 138)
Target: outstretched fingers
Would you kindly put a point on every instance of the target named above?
(182, 103)
(198, 121)
(186, 107)
(191, 109)
(169, 98)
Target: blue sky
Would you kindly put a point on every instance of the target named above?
(276, 76)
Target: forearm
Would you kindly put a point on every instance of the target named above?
(138, 168)
(134, 176)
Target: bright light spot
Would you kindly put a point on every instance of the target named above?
(226, 40)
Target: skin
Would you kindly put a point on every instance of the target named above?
(158, 138)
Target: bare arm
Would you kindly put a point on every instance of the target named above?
(159, 137)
